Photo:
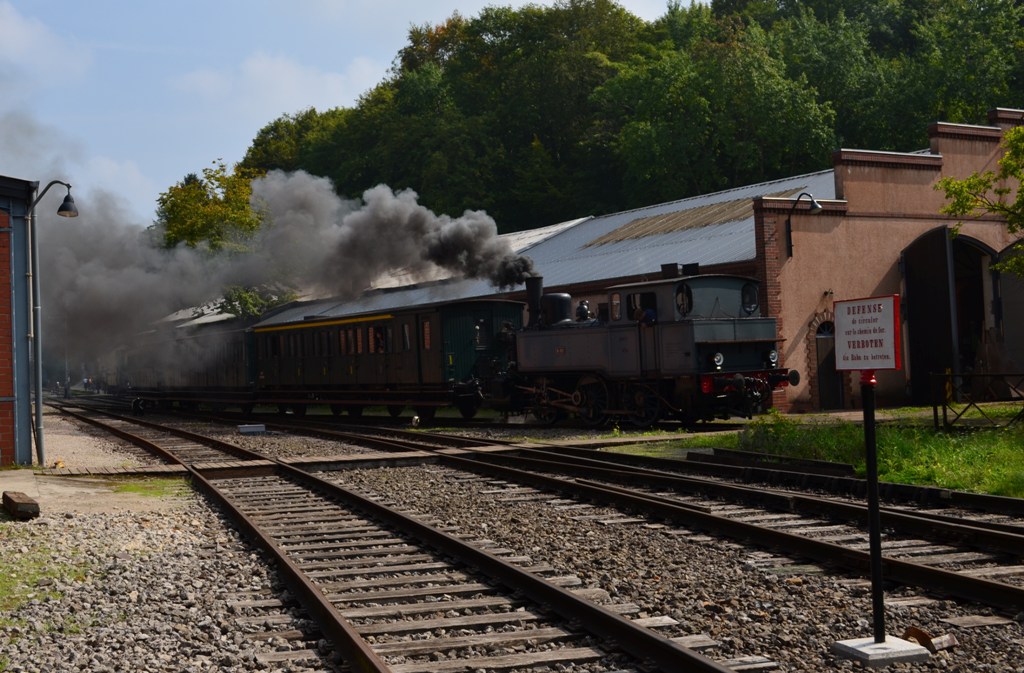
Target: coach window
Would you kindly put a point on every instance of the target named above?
(426, 335)
(481, 337)
(359, 340)
(389, 339)
(616, 306)
(406, 338)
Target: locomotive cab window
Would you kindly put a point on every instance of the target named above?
(642, 307)
(616, 306)
(684, 299)
(748, 298)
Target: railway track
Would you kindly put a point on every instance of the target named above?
(978, 560)
(438, 602)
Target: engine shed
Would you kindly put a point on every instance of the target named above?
(871, 225)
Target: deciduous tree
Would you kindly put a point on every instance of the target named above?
(994, 193)
(211, 211)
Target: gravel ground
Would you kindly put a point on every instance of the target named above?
(149, 588)
(739, 597)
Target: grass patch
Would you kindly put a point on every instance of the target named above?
(984, 460)
(152, 488)
(25, 569)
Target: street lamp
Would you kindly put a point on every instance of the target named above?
(815, 208)
(67, 209)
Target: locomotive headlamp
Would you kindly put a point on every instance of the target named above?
(773, 357)
(718, 360)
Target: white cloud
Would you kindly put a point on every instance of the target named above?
(32, 56)
(265, 86)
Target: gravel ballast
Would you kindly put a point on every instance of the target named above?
(153, 589)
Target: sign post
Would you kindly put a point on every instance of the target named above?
(868, 339)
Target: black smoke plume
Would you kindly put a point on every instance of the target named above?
(341, 248)
(105, 281)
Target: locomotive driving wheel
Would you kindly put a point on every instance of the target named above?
(591, 399)
(543, 410)
(643, 404)
(468, 408)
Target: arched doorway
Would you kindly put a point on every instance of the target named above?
(830, 381)
(949, 295)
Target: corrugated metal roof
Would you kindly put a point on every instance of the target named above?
(382, 300)
(709, 229)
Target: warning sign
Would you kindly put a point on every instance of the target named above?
(868, 333)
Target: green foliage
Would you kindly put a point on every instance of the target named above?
(994, 193)
(251, 302)
(984, 461)
(211, 211)
(775, 433)
(291, 142)
(545, 113)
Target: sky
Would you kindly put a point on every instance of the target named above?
(123, 98)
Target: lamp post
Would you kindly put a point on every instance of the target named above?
(815, 208)
(67, 209)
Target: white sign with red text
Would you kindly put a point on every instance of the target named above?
(868, 333)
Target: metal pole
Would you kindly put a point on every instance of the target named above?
(36, 336)
(867, 389)
(36, 346)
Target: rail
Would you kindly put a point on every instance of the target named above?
(955, 396)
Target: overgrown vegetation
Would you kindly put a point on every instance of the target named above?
(549, 112)
(983, 460)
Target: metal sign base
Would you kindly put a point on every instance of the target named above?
(873, 654)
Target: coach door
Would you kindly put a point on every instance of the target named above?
(430, 348)
(404, 369)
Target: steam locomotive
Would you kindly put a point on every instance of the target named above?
(692, 347)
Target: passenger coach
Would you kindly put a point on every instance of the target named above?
(349, 357)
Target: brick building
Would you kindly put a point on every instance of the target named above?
(879, 232)
(15, 319)
(882, 234)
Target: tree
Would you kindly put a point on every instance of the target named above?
(251, 302)
(290, 142)
(211, 211)
(994, 193)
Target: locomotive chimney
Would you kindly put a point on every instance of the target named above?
(534, 291)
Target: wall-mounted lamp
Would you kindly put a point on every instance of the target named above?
(67, 209)
(815, 208)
